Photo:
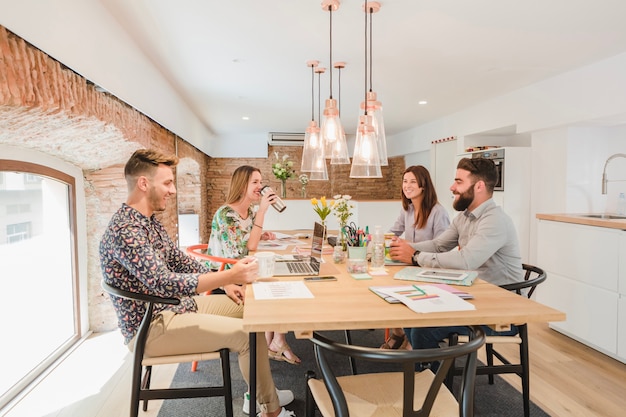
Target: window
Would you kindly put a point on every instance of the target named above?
(38, 272)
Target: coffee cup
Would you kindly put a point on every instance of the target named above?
(266, 264)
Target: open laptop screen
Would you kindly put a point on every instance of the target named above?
(317, 241)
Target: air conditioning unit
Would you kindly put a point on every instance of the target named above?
(285, 139)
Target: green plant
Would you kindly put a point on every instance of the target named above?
(283, 167)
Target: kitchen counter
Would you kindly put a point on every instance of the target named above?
(582, 219)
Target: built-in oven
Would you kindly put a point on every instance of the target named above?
(497, 156)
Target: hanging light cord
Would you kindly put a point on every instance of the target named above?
(339, 92)
(330, 63)
(312, 92)
(365, 37)
(371, 12)
(319, 97)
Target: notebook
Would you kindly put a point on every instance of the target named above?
(307, 265)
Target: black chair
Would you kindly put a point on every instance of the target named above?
(533, 277)
(380, 393)
(141, 386)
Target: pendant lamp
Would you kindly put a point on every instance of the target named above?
(375, 107)
(335, 144)
(366, 160)
(340, 154)
(312, 139)
(319, 171)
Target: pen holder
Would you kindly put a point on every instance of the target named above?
(357, 252)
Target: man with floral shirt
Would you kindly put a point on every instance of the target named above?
(136, 254)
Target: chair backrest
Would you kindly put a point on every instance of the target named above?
(142, 333)
(533, 276)
(408, 359)
(199, 252)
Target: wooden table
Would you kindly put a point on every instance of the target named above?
(348, 304)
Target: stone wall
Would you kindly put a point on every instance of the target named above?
(47, 107)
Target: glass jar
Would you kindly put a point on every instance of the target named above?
(339, 255)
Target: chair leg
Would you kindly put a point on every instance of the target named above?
(226, 378)
(453, 340)
(145, 385)
(135, 390)
(489, 352)
(350, 358)
(309, 402)
(525, 362)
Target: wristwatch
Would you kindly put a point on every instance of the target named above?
(414, 258)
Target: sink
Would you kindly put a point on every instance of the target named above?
(605, 216)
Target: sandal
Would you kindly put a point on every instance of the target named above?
(279, 354)
(395, 342)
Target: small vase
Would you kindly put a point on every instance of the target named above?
(283, 188)
(303, 191)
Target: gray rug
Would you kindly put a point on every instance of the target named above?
(497, 400)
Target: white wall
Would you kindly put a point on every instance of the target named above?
(575, 121)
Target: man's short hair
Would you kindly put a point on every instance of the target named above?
(481, 169)
(145, 162)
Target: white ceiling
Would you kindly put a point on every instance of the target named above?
(227, 59)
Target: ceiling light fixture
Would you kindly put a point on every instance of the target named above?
(312, 140)
(340, 154)
(365, 161)
(319, 171)
(375, 107)
(331, 125)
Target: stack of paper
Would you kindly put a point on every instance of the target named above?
(426, 298)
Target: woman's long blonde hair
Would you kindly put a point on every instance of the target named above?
(239, 183)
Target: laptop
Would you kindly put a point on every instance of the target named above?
(307, 265)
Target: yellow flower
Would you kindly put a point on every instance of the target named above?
(321, 207)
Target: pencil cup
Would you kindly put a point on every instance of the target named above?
(266, 264)
(357, 252)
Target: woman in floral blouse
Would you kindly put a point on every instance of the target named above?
(237, 229)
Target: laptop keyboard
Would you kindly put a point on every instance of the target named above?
(301, 268)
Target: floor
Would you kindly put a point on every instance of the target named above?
(567, 379)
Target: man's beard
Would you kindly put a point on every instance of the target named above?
(156, 201)
(464, 200)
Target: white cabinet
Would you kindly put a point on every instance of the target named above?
(585, 265)
(621, 330)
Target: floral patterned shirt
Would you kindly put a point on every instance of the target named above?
(136, 254)
(230, 233)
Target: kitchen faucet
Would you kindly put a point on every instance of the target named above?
(604, 179)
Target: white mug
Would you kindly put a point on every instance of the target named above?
(266, 264)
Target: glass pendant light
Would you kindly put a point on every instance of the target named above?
(375, 107)
(340, 149)
(366, 160)
(332, 131)
(312, 139)
(319, 171)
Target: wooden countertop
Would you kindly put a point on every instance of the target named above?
(583, 219)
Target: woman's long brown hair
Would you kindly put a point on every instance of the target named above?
(429, 196)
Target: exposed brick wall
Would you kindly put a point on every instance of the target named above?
(45, 106)
(221, 169)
